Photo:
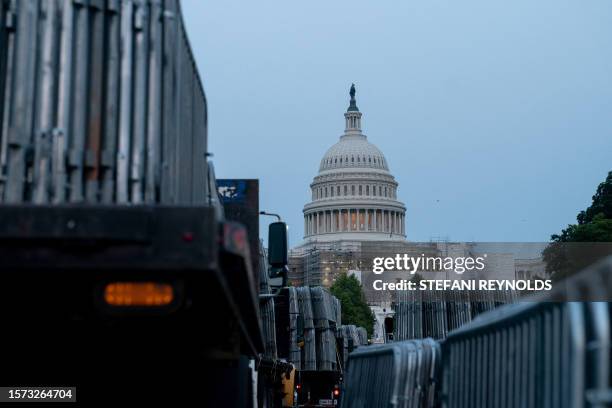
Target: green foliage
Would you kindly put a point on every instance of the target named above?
(594, 225)
(602, 203)
(355, 309)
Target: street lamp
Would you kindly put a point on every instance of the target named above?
(270, 215)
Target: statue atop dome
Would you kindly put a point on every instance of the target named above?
(353, 105)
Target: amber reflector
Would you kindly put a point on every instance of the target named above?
(138, 294)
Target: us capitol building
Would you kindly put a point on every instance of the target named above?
(354, 216)
(354, 196)
(354, 213)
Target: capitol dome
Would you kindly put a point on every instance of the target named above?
(353, 151)
(354, 195)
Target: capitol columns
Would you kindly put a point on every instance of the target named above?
(395, 222)
(336, 221)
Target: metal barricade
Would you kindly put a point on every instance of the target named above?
(547, 351)
(401, 374)
(100, 102)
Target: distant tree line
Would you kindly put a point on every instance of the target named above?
(564, 256)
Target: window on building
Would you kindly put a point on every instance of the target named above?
(338, 190)
(360, 190)
(367, 190)
(345, 190)
(352, 190)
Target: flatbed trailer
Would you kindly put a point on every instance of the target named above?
(57, 265)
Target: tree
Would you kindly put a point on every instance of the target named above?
(355, 309)
(594, 225)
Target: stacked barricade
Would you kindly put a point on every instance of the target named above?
(420, 314)
(401, 374)
(295, 352)
(309, 350)
(324, 313)
(326, 343)
(100, 102)
(351, 337)
(362, 333)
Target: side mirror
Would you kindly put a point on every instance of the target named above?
(277, 245)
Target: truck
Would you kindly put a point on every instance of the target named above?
(310, 336)
(125, 273)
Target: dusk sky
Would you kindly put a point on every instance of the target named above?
(495, 116)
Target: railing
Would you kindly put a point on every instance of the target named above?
(538, 353)
(549, 350)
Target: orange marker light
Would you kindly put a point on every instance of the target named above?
(138, 294)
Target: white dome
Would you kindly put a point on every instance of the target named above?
(354, 196)
(353, 151)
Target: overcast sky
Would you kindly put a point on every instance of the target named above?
(495, 116)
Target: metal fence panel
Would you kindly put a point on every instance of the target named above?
(100, 101)
(400, 374)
